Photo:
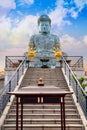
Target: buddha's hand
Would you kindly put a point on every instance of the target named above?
(57, 54)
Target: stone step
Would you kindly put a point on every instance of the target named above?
(45, 106)
(43, 110)
(66, 102)
(44, 115)
(44, 121)
(44, 127)
(34, 83)
(46, 79)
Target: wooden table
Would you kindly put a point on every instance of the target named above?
(40, 95)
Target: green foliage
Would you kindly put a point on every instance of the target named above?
(73, 76)
(81, 80)
(84, 85)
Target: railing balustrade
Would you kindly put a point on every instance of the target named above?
(81, 95)
(11, 84)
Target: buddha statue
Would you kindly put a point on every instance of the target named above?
(44, 43)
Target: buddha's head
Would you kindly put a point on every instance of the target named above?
(44, 23)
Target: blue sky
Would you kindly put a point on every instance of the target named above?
(18, 21)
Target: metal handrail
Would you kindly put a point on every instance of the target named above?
(7, 60)
(75, 61)
(79, 61)
(10, 60)
(11, 84)
(81, 95)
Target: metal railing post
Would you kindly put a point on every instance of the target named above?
(6, 62)
(10, 86)
(65, 68)
(86, 106)
(76, 91)
(9, 89)
(22, 68)
(17, 76)
(69, 78)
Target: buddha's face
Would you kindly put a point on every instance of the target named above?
(44, 27)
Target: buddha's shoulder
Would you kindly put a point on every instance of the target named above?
(53, 35)
(35, 36)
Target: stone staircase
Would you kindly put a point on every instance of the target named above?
(45, 116)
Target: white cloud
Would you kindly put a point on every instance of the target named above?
(73, 13)
(6, 6)
(72, 46)
(85, 40)
(18, 35)
(5, 32)
(80, 4)
(29, 2)
(59, 14)
(59, 3)
(69, 43)
(25, 28)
